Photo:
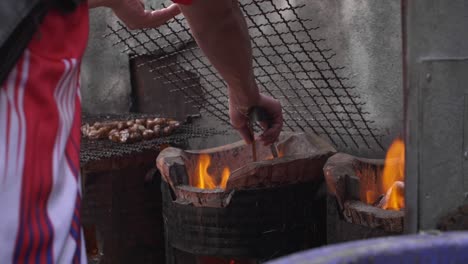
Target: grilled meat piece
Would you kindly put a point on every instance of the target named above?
(148, 134)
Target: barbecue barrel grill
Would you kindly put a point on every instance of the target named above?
(122, 203)
(267, 208)
(293, 64)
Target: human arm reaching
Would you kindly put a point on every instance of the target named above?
(134, 15)
(220, 30)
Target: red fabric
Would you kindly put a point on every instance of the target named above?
(184, 2)
(62, 36)
(42, 141)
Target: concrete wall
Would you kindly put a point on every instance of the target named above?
(365, 34)
(437, 111)
(105, 76)
(105, 73)
(155, 3)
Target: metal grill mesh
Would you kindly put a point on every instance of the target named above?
(95, 150)
(291, 63)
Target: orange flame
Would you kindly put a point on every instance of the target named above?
(394, 176)
(207, 181)
(370, 197)
(225, 177)
(395, 197)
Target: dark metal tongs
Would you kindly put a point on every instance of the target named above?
(259, 114)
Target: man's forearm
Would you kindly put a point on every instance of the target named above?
(221, 32)
(134, 15)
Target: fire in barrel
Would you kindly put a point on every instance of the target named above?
(219, 203)
(369, 192)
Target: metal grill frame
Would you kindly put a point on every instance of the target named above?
(291, 64)
(97, 150)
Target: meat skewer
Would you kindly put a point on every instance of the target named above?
(130, 131)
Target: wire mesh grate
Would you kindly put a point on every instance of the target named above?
(97, 150)
(290, 63)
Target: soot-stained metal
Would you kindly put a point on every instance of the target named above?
(291, 63)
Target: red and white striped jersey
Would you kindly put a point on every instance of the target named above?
(39, 146)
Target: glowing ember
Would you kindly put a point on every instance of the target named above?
(393, 177)
(207, 181)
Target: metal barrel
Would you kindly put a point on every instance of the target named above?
(261, 223)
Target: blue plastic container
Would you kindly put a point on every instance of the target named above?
(441, 248)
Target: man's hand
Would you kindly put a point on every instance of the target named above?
(239, 120)
(220, 29)
(134, 15)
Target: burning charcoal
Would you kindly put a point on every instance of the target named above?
(148, 134)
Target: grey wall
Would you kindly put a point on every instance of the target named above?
(105, 76)
(366, 35)
(155, 3)
(437, 110)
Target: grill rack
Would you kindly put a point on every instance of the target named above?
(290, 62)
(96, 150)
